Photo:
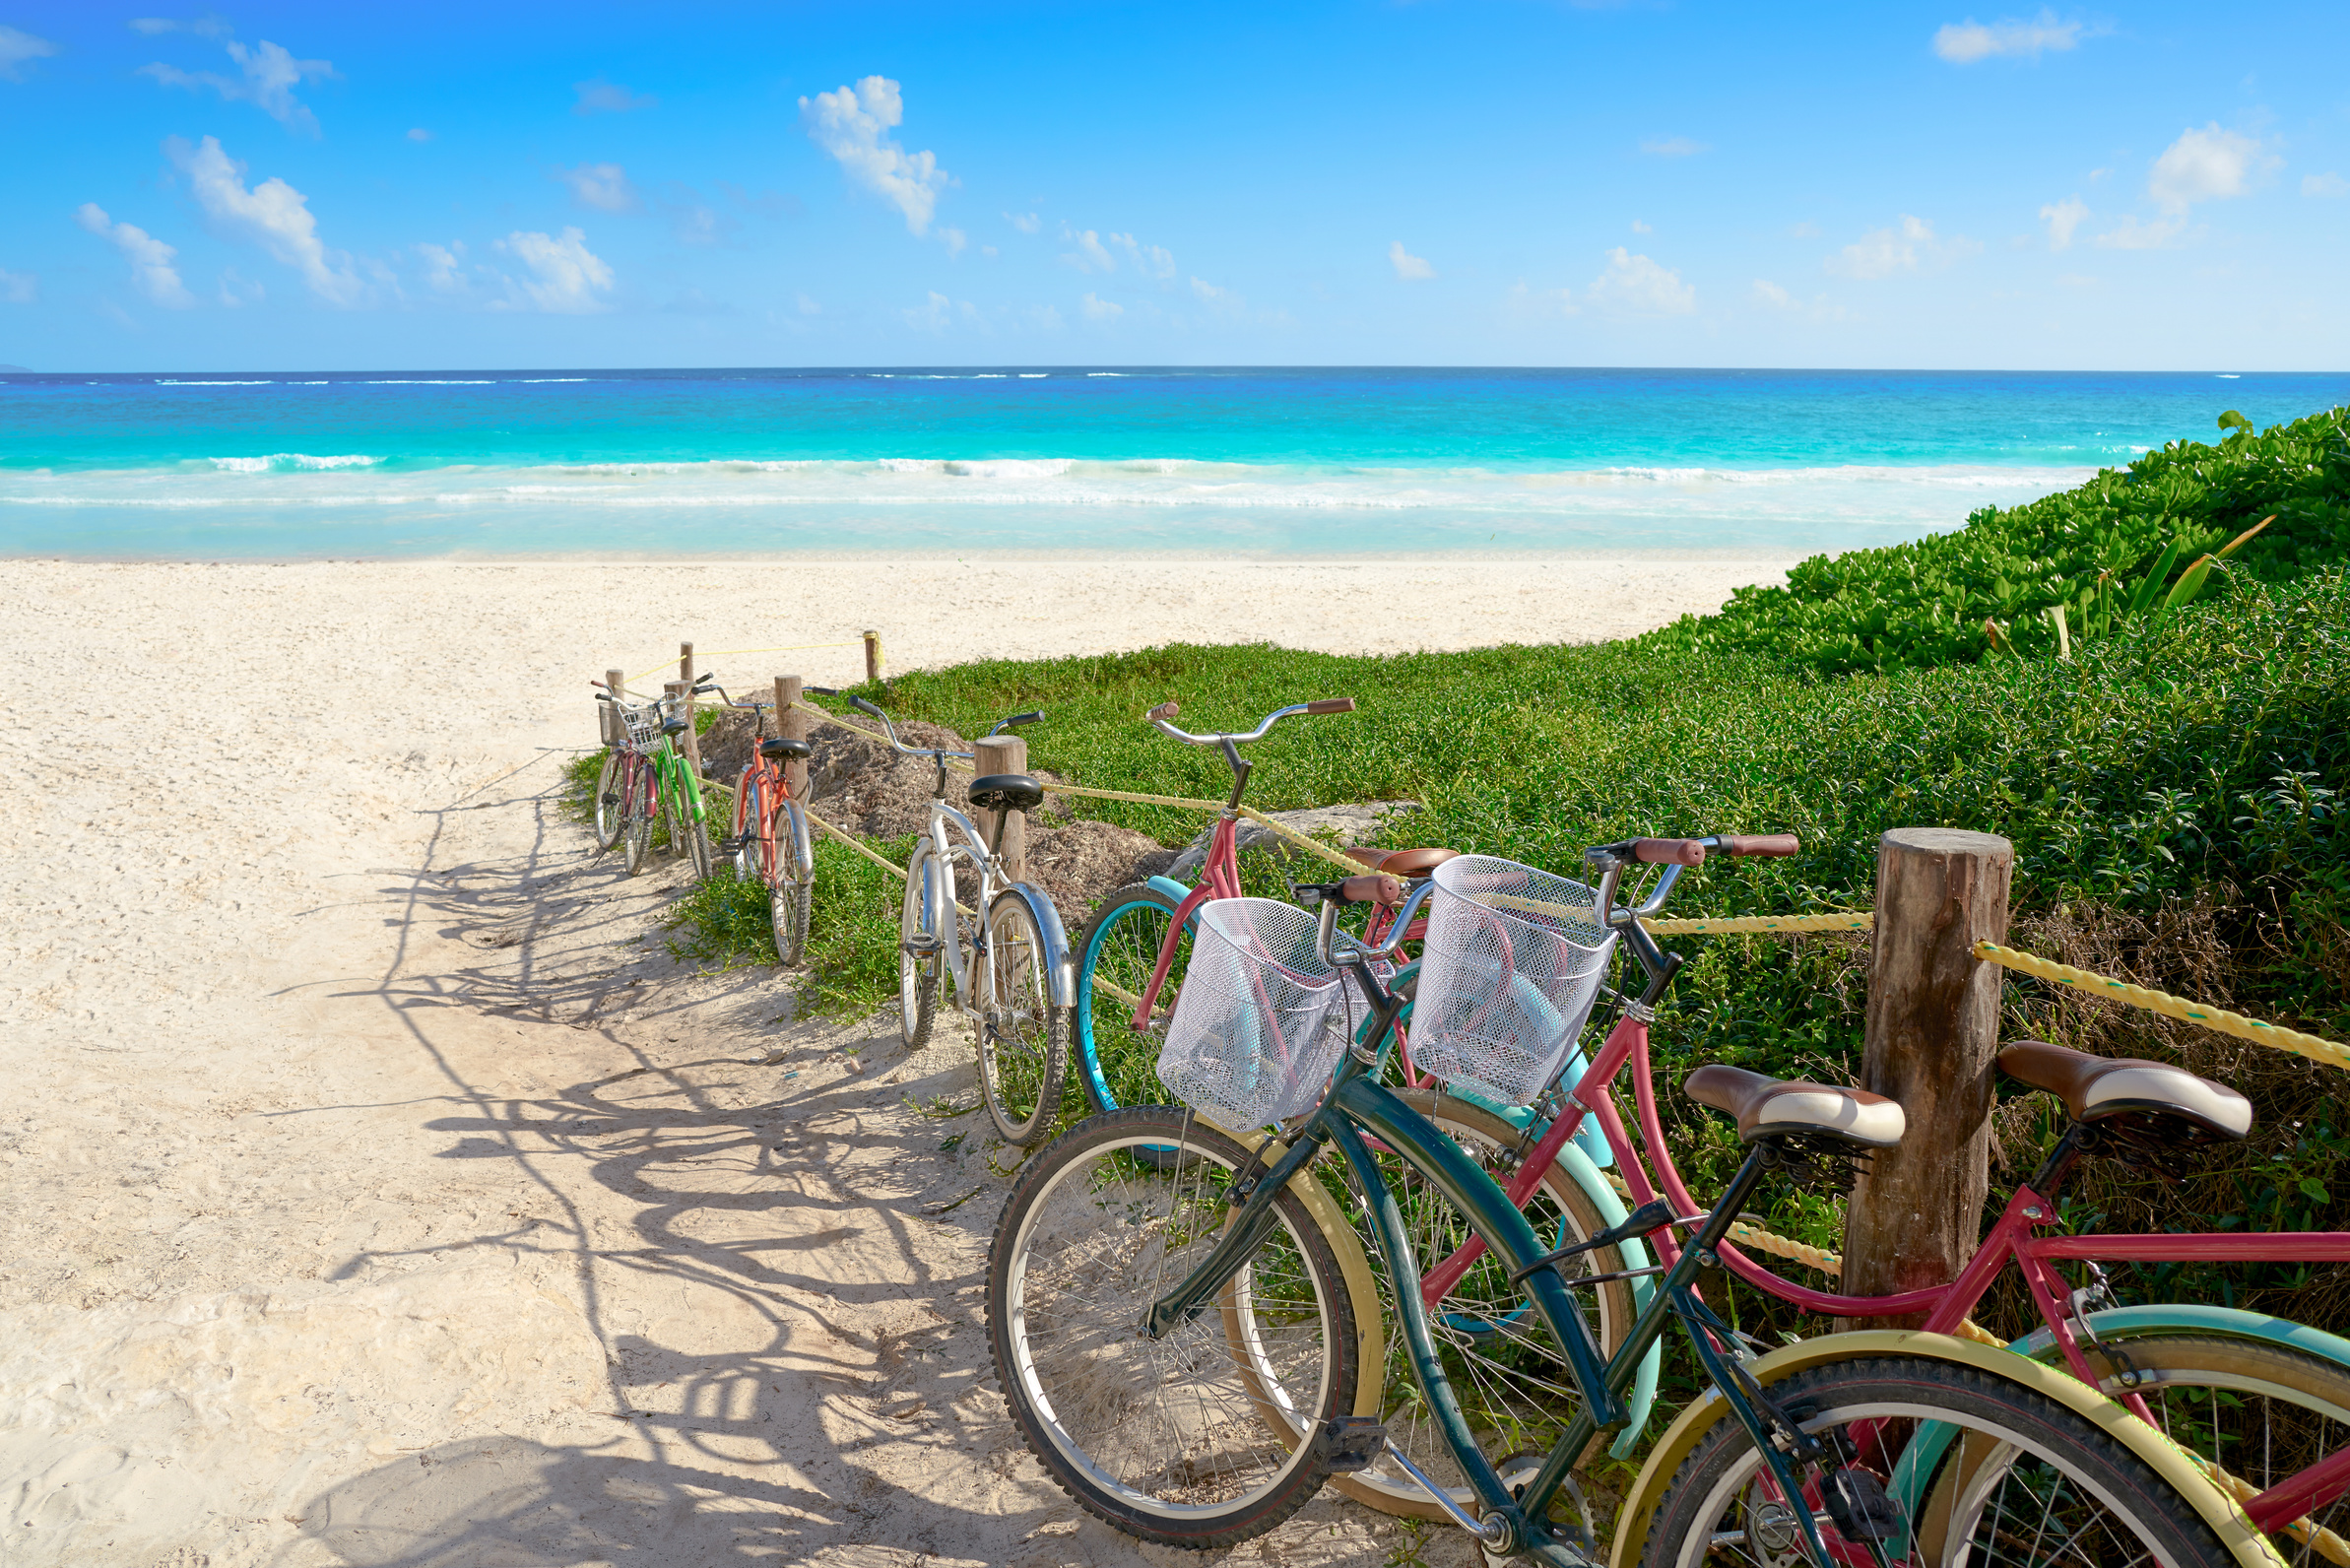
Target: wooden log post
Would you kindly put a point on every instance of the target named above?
(616, 729)
(792, 723)
(686, 676)
(873, 657)
(1933, 1045)
(1005, 753)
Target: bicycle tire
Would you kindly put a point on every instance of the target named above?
(1117, 1064)
(1023, 1038)
(754, 855)
(690, 824)
(1118, 1421)
(1503, 1367)
(920, 948)
(640, 793)
(791, 891)
(608, 816)
(2011, 1449)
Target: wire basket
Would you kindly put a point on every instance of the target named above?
(1508, 974)
(1253, 1041)
(643, 721)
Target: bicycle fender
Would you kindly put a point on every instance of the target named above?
(1370, 1327)
(1635, 1253)
(1167, 888)
(2230, 1321)
(2247, 1544)
(797, 820)
(1060, 970)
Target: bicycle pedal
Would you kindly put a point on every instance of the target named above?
(921, 947)
(1855, 1499)
(1349, 1443)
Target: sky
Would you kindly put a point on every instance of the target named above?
(1447, 182)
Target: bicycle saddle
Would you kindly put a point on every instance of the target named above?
(1408, 863)
(673, 726)
(780, 750)
(1766, 1108)
(2097, 1087)
(1005, 791)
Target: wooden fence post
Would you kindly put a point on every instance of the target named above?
(614, 731)
(873, 657)
(1005, 753)
(686, 676)
(792, 724)
(1932, 1043)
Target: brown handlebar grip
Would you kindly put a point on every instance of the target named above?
(1331, 705)
(1670, 851)
(1761, 845)
(1372, 890)
(1165, 710)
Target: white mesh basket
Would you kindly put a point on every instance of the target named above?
(1513, 960)
(1253, 1039)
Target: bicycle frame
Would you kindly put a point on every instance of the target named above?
(2017, 1237)
(1357, 1103)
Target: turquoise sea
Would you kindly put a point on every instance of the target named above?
(1223, 462)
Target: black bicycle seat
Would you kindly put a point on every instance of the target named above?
(792, 751)
(1006, 792)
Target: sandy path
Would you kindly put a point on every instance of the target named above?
(383, 1191)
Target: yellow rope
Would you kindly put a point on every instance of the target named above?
(2219, 1019)
(729, 653)
(857, 844)
(2324, 1542)
(1760, 1240)
(1753, 924)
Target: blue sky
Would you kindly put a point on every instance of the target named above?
(607, 185)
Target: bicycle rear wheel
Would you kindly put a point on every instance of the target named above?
(609, 818)
(639, 806)
(754, 855)
(2007, 1478)
(790, 889)
(1024, 1039)
(1164, 1439)
(689, 830)
(920, 945)
(1117, 1062)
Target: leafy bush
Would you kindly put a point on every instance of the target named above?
(1925, 603)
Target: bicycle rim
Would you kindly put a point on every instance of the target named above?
(791, 890)
(919, 958)
(1117, 1064)
(754, 850)
(1164, 1438)
(609, 816)
(636, 829)
(2019, 1483)
(1024, 1039)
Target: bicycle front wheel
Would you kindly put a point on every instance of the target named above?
(920, 945)
(1117, 1062)
(790, 889)
(1024, 1039)
(608, 804)
(639, 806)
(1166, 1439)
(754, 855)
(1974, 1469)
(689, 828)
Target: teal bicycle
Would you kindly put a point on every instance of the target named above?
(1178, 1343)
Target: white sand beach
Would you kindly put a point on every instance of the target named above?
(382, 1191)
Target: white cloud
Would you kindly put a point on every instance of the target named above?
(236, 291)
(1965, 42)
(273, 215)
(933, 317)
(1770, 294)
(1209, 293)
(1099, 309)
(202, 26)
(1408, 267)
(443, 271)
(1089, 256)
(1151, 261)
(808, 306)
(1025, 223)
(2203, 166)
(989, 251)
(602, 186)
(2324, 185)
(270, 76)
(1542, 305)
(2062, 218)
(19, 287)
(955, 240)
(151, 259)
(567, 278)
(1905, 247)
(18, 49)
(1672, 147)
(853, 124)
(1640, 228)
(599, 96)
(2131, 234)
(417, 133)
(1640, 285)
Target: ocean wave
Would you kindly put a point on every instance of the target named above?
(209, 383)
(289, 463)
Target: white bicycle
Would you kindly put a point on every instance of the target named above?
(1009, 955)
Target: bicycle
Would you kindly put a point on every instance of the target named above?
(658, 783)
(1011, 964)
(769, 844)
(1136, 947)
(2265, 1403)
(1178, 1345)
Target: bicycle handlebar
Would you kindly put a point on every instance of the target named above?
(933, 751)
(1157, 718)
